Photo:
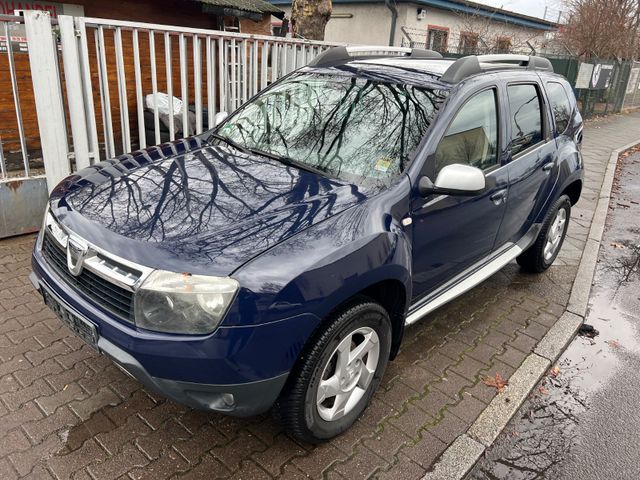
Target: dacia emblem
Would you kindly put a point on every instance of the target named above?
(76, 253)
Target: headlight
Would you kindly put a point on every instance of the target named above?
(183, 303)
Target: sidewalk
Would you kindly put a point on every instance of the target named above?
(567, 429)
(66, 411)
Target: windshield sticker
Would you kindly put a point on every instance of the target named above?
(383, 164)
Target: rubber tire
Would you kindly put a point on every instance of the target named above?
(296, 409)
(532, 260)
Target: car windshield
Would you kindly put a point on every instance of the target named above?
(347, 127)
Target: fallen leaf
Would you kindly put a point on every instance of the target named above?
(614, 343)
(497, 382)
(617, 245)
(543, 390)
(554, 372)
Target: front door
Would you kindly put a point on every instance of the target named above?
(452, 232)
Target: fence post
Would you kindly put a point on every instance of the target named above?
(73, 81)
(48, 96)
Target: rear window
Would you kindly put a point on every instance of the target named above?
(526, 117)
(560, 104)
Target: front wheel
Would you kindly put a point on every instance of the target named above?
(539, 256)
(338, 373)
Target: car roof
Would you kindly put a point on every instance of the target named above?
(435, 67)
(426, 62)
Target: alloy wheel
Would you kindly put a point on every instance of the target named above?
(348, 373)
(554, 234)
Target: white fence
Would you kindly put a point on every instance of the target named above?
(10, 77)
(90, 82)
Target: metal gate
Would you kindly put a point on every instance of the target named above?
(90, 78)
(110, 66)
(89, 81)
(14, 140)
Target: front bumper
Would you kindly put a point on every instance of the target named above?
(241, 399)
(236, 370)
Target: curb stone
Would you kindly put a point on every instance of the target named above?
(461, 456)
(454, 461)
(494, 418)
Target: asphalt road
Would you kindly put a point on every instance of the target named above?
(582, 420)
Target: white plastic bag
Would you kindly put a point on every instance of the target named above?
(163, 103)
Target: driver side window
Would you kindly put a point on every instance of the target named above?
(472, 136)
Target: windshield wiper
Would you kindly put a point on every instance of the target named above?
(273, 156)
(228, 141)
(291, 162)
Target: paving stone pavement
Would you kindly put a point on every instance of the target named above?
(67, 412)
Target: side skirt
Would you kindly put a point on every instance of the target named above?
(472, 276)
(463, 282)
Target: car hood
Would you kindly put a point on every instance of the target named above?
(193, 207)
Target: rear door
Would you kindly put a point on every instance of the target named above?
(533, 165)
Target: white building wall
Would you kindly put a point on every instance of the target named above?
(370, 24)
(458, 23)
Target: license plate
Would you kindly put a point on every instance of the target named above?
(84, 329)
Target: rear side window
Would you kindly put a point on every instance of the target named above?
(526, 117)
(560, 104)
(472, 136)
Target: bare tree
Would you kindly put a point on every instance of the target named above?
(602, 28)
(481, 33)
(309, 18)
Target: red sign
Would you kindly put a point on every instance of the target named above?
(8, 7)
(18, 44)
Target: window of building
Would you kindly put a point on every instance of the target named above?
(472, 136)
(560, 105)
(468, 44)
(526, 117)
(231, 24)
(503, 44)
(437, 38)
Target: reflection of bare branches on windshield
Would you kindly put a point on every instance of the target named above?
(339, 124)
(343, 124)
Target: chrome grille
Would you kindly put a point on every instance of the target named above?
(105, 294)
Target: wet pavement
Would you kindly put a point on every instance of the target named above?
(582, 419)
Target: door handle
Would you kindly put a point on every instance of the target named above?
(499, 196)
(548, 166)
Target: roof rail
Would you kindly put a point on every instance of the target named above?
(473, 64)
(339, 55)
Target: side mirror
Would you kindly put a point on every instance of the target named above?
(220, 117)
(456, 179)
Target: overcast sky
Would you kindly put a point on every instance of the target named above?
(535, 8)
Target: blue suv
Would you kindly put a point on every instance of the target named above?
(276, 260)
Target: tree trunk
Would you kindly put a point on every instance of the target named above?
(309, 18)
